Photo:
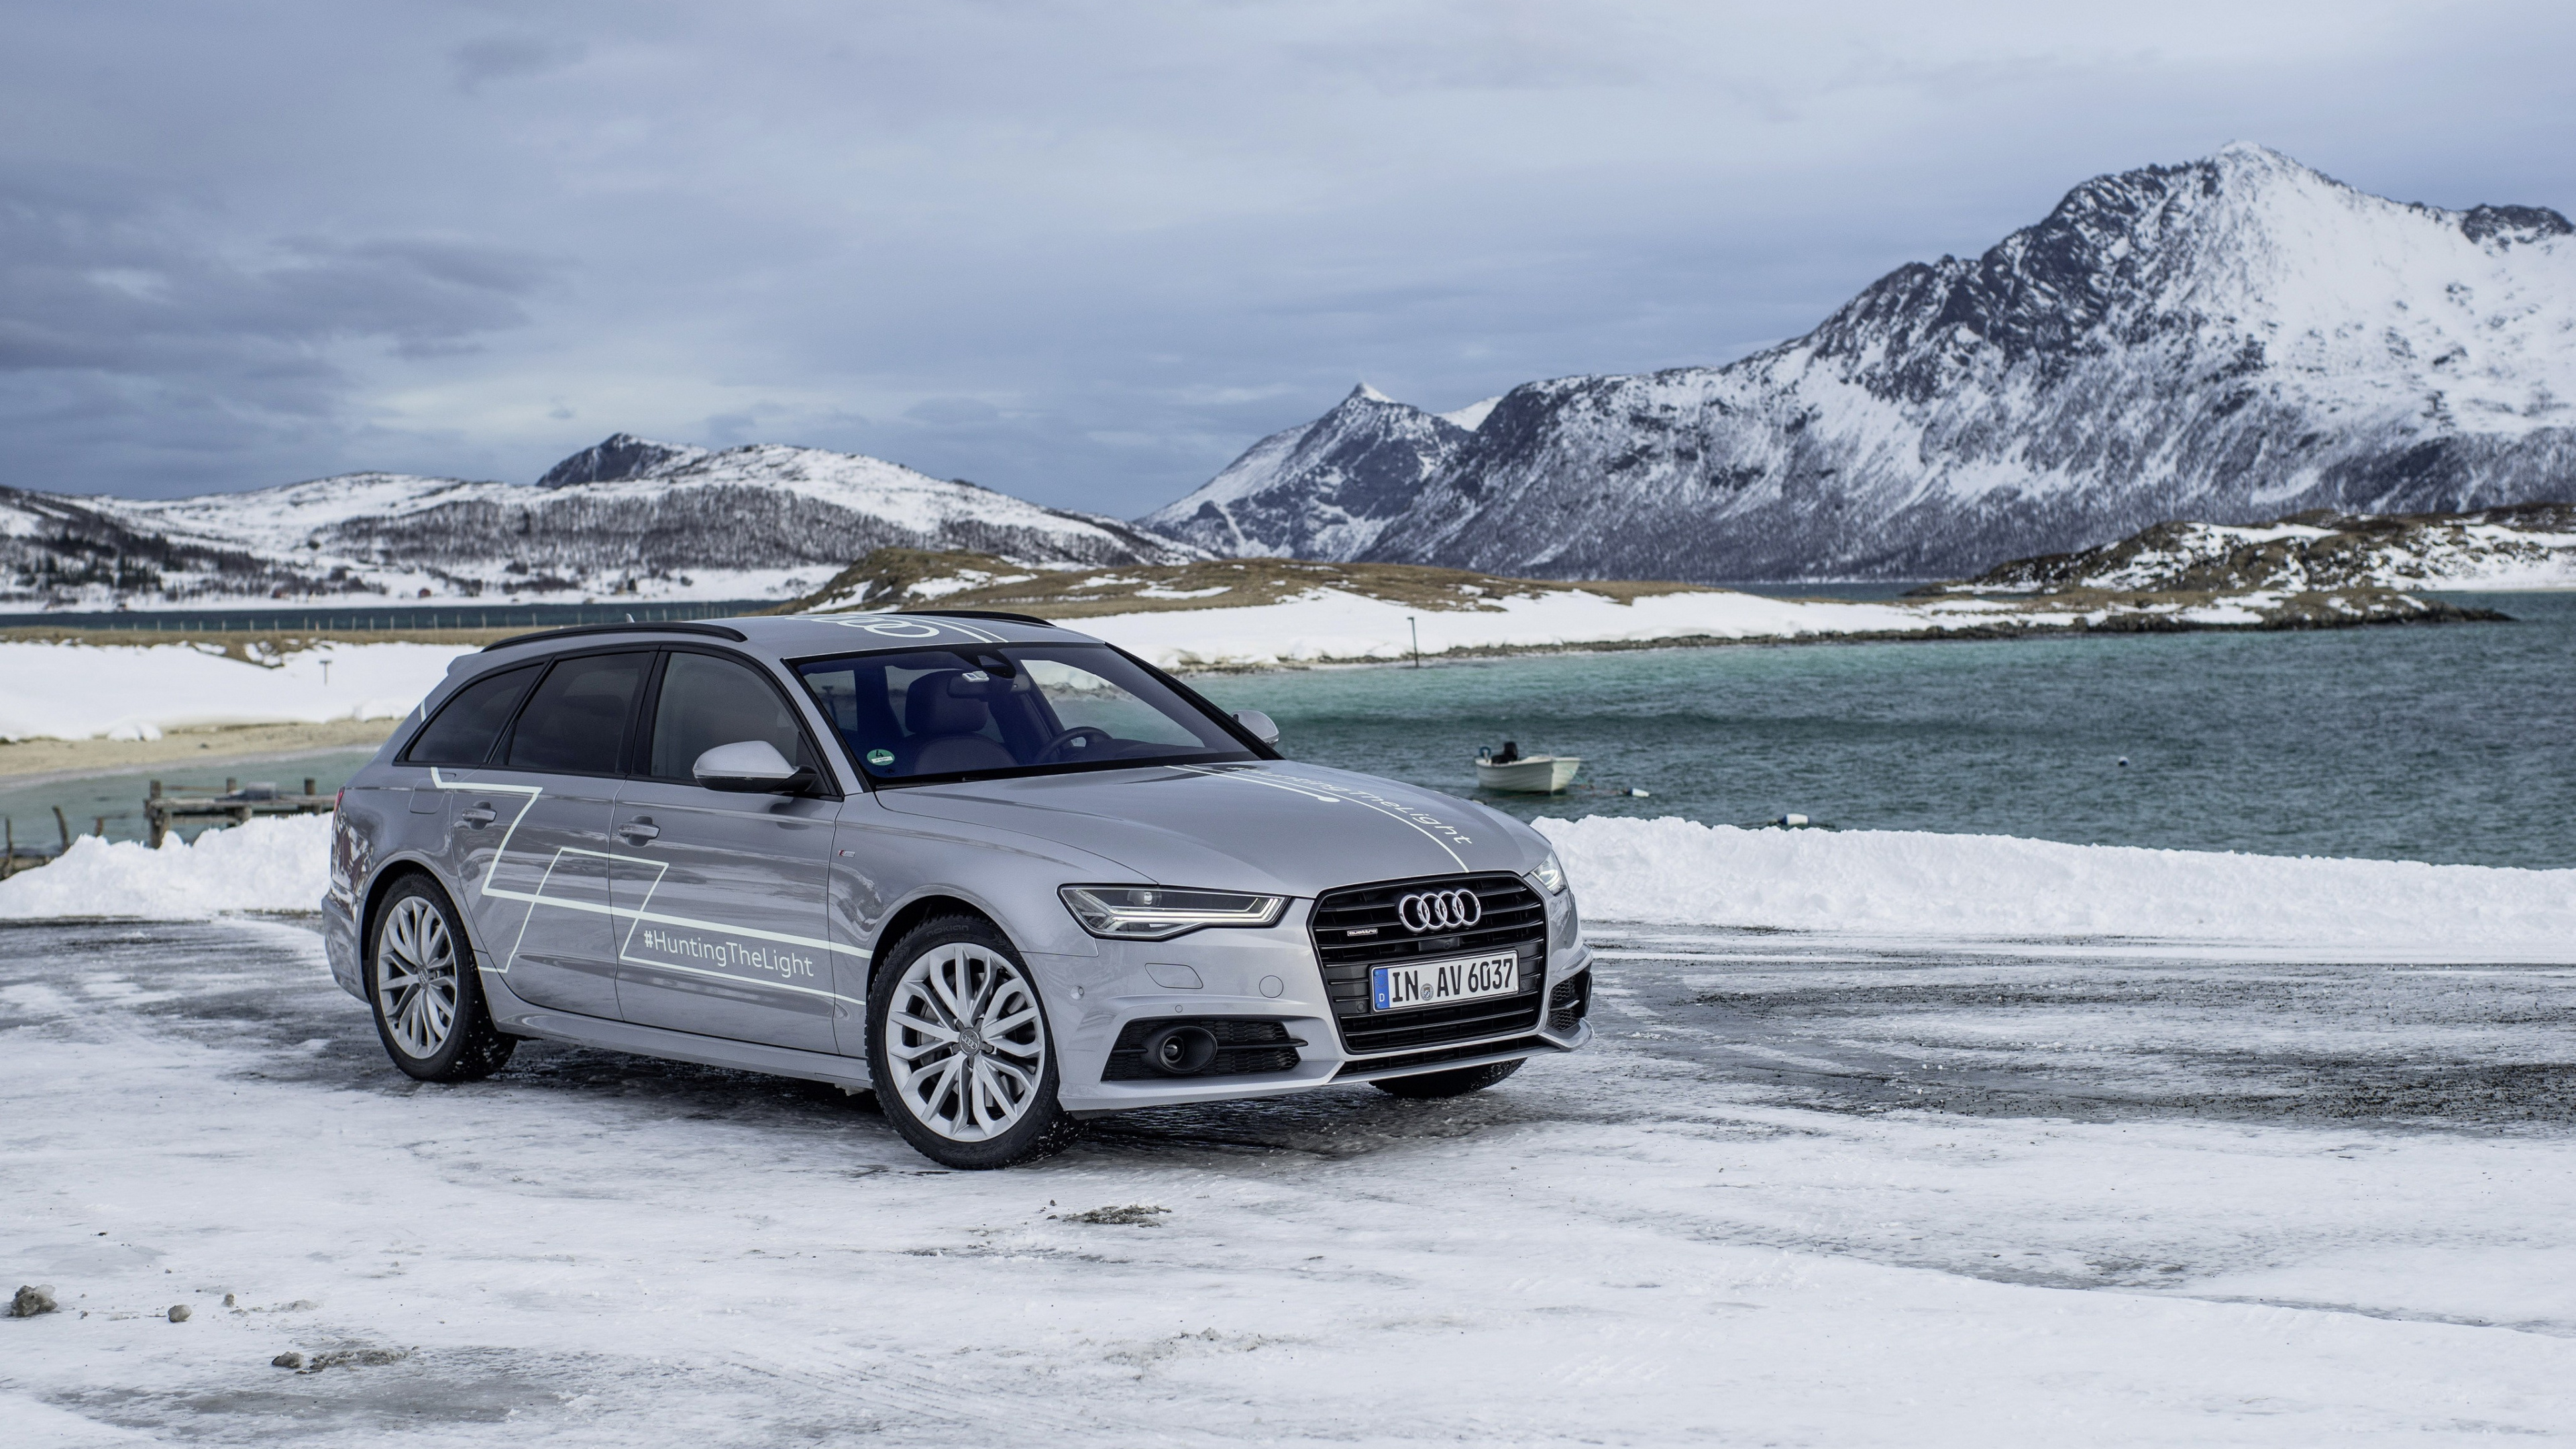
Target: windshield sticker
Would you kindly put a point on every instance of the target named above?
(880, 758)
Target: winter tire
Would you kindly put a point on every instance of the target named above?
(1458, 1083)
(427, 996)
(958, 1046)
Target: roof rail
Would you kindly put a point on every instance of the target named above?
(716, 631)
(981, 614)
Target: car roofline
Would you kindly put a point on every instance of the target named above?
(714, 631)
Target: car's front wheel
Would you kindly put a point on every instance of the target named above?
(963, 1062)
(428, 1000)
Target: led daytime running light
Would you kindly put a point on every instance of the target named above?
(1154, 913)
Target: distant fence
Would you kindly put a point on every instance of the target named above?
(382, 619)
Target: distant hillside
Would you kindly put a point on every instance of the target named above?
(2230, 339)
(628, 518)
(2531, 545)
(1267, 611)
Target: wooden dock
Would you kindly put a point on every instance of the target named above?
(236, 806)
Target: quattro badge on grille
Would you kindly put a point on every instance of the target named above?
(1427, 911)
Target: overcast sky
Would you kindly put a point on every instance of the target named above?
(1082, 253)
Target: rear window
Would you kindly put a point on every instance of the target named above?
(577, 721)
(465, 727)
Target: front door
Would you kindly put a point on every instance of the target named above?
(719, 896)
(533, 828)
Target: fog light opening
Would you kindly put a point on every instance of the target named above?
(1180, 1051)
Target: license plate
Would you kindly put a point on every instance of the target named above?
(1437, 983)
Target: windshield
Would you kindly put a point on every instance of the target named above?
(942, 713)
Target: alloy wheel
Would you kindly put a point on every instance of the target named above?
(416, 985)
(964, 1042)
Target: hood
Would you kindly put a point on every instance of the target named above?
(1273, 826)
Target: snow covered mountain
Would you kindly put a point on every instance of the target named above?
(628, 518)
(2232, 339)
(1323, 490)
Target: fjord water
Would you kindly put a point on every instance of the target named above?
(2449, 743)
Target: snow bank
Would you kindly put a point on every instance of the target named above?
(82, 691)
(281, 863)
(1672, 872)
(1333, 624)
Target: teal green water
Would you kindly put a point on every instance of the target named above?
(116, 801)
(2450, 743)
(2443, 743)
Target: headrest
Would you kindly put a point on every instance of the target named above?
(945, 703)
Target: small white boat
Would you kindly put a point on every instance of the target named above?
(1528, 775)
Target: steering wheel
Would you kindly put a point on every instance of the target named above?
(1088, 736)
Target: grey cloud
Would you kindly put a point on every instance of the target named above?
(510, 57)
(1082, 252)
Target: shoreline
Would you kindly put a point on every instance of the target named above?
(42, 761)
(1976, 634)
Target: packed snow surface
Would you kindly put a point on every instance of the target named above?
(277, 863)
(1787, 1197)
(1993, 886)
(82, 691)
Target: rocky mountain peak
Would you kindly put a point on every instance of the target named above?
(620, 456)
(2225, 338)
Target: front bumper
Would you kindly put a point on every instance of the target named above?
(1268, 975)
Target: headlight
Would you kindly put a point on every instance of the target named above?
(1549, 874)
(1152, 913)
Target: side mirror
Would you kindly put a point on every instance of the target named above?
(750, 767)
(1260, 724)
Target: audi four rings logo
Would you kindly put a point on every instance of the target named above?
(1439, 911)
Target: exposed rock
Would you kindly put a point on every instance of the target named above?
(32, 1299)
(1133, 1215)
(181, 1313)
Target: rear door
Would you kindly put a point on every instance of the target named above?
(534, 832)
(719, 896)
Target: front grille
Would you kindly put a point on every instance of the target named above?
(1356, 928)
(1244, 1045)
(1570, 1002)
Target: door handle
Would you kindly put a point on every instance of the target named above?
(478, 817)
(640, 830)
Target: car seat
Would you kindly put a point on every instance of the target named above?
(944, 714)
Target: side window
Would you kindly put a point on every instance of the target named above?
(466, 726)
(708, 701)
(576, 722)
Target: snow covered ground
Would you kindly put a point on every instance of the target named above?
(1910, 885)
(279, 863)
(1333, 625)
(1919, 885)
(1802, 1191)
(81, 691)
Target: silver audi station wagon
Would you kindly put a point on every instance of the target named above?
(1007, 876)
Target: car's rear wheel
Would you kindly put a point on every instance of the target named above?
(963, 1061)
(428, 1000)
(1456, 1083)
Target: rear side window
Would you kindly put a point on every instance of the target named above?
(706, 702)
(465, 727)
(576, 722)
